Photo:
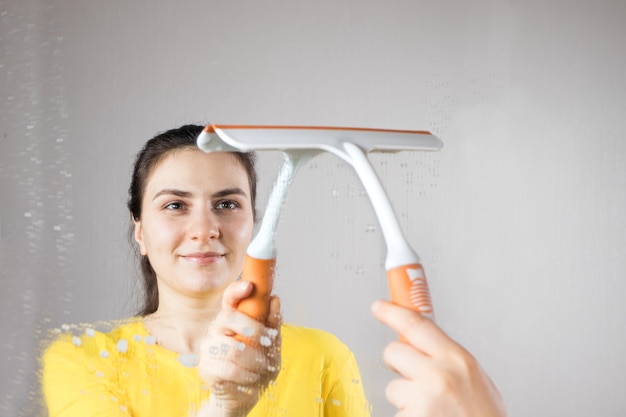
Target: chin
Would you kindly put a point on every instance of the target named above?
(205, 284)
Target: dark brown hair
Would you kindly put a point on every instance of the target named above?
(150, 155)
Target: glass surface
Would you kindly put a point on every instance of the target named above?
(519, 220)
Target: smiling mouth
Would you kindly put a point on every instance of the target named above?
(207, 258)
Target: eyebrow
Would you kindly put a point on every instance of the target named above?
(229, 191)
(185, 194)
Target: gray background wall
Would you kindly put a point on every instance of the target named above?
(519, 220)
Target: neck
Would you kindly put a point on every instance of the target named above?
(179, 324)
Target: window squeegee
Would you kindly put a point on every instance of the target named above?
(405, 273)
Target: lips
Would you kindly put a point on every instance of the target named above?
(203, 258)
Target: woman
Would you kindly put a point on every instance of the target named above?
(191, 353)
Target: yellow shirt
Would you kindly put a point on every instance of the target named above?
(124, 373)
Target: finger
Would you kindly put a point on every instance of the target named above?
(222, 349)
(269, 339)
(406, 360)
(232, 396)
(246, 329)
(226, 371)
(411, 401)
(275, 318)
(418, 330)
(236, 292)
(231, 322)
(273, 342)
(399, 392)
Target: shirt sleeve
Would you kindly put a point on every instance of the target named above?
(76, 384)
(346, 397)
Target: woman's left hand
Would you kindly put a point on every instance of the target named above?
(240, 356)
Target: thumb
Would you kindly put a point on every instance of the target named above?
(236, 292)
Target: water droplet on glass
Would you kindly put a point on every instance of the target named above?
(76, 340)
(188, 359)
(122, 345)
(243, 389)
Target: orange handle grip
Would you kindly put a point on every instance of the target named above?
(260, 272)
(408, 288)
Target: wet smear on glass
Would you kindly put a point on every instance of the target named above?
(34, 166)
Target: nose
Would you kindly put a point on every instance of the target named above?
(204, 226)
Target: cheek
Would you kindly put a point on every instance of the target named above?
(241, 231)
(159, 236)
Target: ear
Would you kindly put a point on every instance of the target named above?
(138, 234)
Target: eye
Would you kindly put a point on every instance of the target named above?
(227, 205)
(174, 205)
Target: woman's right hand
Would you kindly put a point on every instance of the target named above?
(240, 355)
(438, 376)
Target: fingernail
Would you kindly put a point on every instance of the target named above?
(243, 285)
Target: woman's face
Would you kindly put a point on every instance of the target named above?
(196, 221)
